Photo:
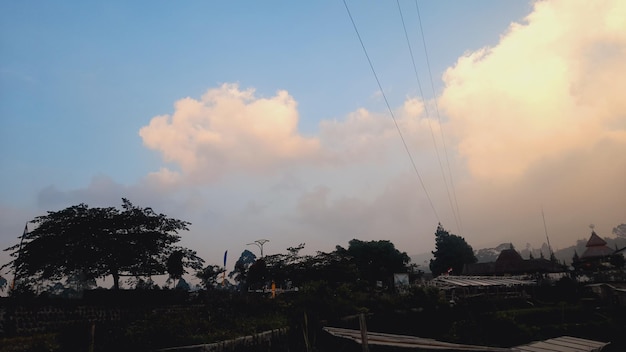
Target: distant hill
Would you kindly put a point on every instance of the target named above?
(486, 255)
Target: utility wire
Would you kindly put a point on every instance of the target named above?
(443, 139)
(391, 112)
(426, 111)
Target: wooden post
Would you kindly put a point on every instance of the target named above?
(92, 336)
(364, 343)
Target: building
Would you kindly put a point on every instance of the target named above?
(510, 262)
(598, 256)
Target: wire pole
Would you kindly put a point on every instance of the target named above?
(259, 243)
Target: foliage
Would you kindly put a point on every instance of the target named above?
(40, 342)
(240, 272)
(376, 260)
(362, 263)
(98, 242)
(257, 274)
(210, 276)
(451, 252)
(175, 265)
(620, 230)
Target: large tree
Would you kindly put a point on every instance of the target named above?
(240, 272)
(375, 260)
(451, 253)
(99, 242)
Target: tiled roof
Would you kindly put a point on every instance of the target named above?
(595, 240)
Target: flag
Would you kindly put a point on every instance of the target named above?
(224, 275)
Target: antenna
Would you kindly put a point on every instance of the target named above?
(545, 228)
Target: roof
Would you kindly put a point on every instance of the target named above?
(510, 265)
(480, 281)
(562, 344)
(598, 251)
(596, 247)
(559, 344)
(595, 240)
(509, 256)
(375, 338)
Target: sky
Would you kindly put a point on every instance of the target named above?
(264, 120)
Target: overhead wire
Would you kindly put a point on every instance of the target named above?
(443, 139)
(391, 113)
(426, 112)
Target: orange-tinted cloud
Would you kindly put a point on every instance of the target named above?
(230, 130)
(552, 85)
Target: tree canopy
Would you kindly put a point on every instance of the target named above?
(376, 260)
(100, 242)
(451, 252)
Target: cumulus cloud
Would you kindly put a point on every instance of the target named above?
(230, 130)
(552, 85)
(540, 119)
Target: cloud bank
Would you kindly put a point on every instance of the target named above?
(536, 121)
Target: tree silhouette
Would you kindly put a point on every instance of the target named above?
(376, 260)
(451, 253)
(210, 275)
(240, 272)
(175, 265)
(99, 242)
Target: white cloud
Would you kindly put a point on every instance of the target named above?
(553, 85)
(230, 131)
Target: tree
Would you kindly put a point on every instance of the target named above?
(240, 272)
(175, 265)
(620, 230)
(209, 276)
(257, 274)
(451, 252)
(99, 242)
(376, 260)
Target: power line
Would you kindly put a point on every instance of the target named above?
(391, 112)
(426, 111)
(443, 139)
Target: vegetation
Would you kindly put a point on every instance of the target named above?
(451, 253)
(92, 243)
(80, 244)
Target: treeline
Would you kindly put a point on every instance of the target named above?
(66, 251)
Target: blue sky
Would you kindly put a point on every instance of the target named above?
(79, 81)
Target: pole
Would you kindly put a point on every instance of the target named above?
(364, 342)
(545, 228)
(92, 336)
(259, 243)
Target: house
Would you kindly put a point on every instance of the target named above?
(510, 262)
(598, 256)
